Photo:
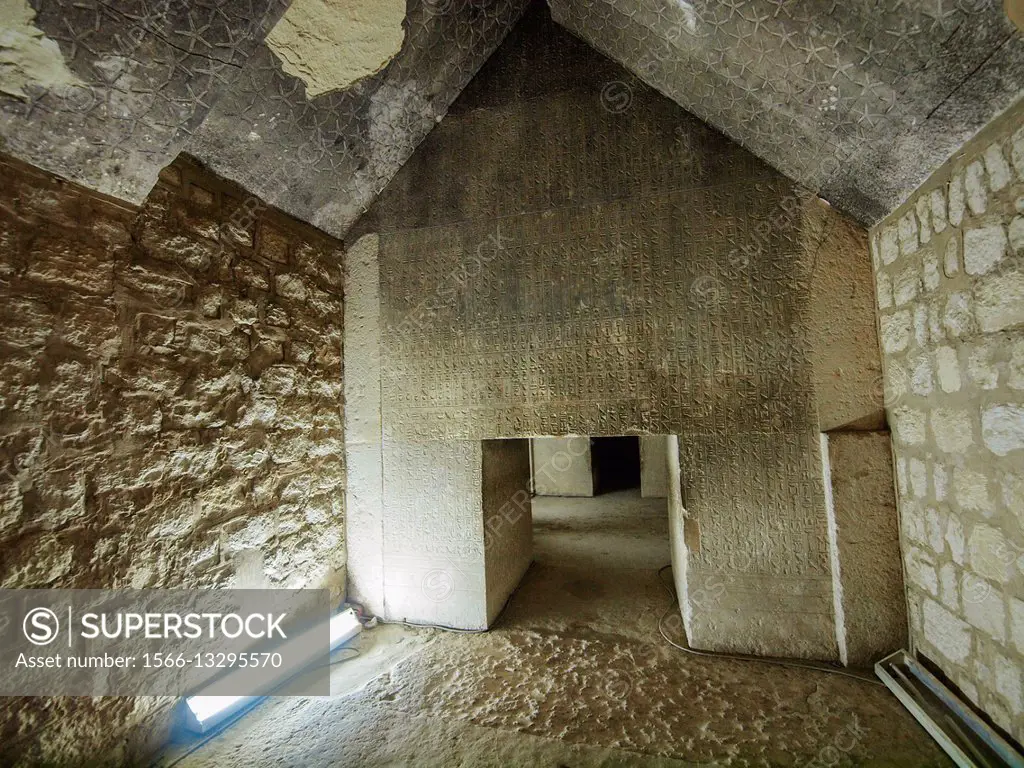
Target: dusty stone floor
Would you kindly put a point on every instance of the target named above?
(575, 674)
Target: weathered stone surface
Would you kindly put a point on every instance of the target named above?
(889, 247)
(363, 450)
(321, 153)
(950, 635)
(864, 541)
(951, 259)
(938, 210)
(909, 425)
(455, 541)
(960, 494)
(984, 248)
(844, 338)
(330, 44)
(896, 331)
(957, 202)
(1016, 234)
(981, 368)
(127, 404)
(974, 181)
(921, 380)
(689, 51)
(948, 369)
(957, 319)
(508, 520)
(952, 429)
(1000, 302)
(562, 466)
(1002, 428)
(287, 114)
(999, 173)
(139, 80)
(971, 490)
(991, 555)
(986, 611)
(654, 474)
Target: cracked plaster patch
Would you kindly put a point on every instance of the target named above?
(330, 44)
(27, 56)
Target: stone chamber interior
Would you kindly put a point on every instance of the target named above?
(563, 338)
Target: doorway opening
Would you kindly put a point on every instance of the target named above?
(616, 463)
(590, 466)
(600, 535)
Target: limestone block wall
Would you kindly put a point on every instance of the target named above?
(170, 408)
(949, 274)
(562, 466)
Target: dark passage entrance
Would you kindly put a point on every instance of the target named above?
(616, 463)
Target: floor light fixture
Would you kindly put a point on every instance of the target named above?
(203, 713)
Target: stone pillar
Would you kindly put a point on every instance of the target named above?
(456, 528)
(676, 522)
(363, 509)
(508, 519)
(562, 466)
(654, 466)
(864, 542)
(772, 557)
(436, 532)
(757, 575)
(845, 364)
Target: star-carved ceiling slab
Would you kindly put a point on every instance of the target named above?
(858, 101)
(145, 73)
(324, 159)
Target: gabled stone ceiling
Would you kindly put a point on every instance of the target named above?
(858, 101)
(142, 80)
(325, 159)
(107, 94)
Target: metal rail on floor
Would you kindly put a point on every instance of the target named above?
(964, 736)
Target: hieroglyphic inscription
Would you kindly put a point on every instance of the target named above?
(432, 493)
(770, 484)
(682, 312)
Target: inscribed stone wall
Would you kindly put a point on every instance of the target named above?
(170, 409)
(609, 318)
(568, 252)
(763, 566)
(867, 575)
(950, 290)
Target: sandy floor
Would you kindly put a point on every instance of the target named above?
(575, 674)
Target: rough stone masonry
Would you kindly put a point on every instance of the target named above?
(170, 406)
